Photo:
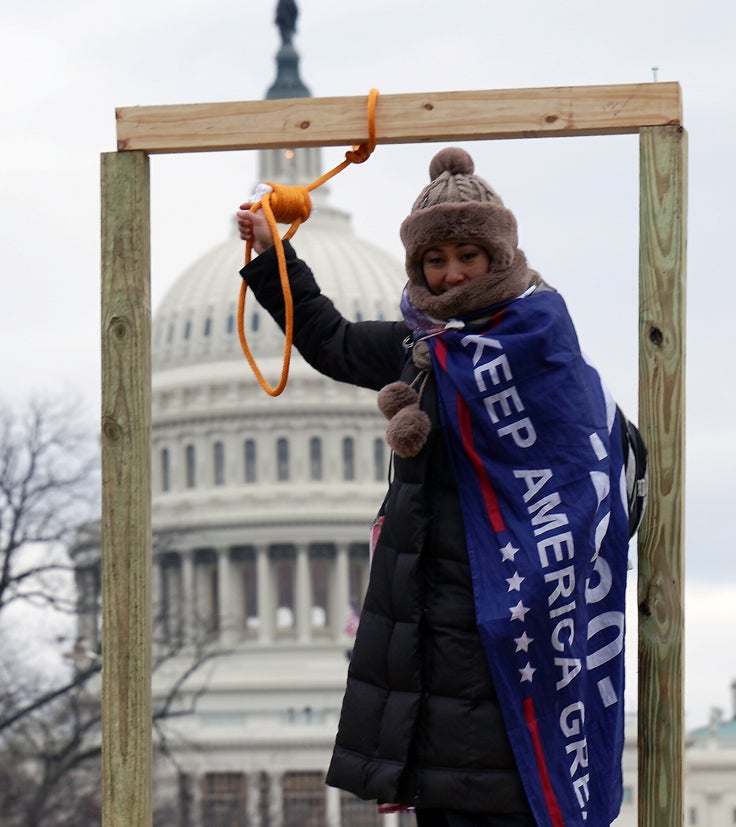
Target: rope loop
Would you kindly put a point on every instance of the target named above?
(289, 204)
(293, 205)
(361, 153)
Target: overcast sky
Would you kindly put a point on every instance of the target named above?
(65, 67)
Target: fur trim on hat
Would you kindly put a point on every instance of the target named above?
(490, 225)
(484, 291)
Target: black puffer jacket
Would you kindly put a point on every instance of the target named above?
(421, 722)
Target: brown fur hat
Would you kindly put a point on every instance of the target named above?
(459, 205)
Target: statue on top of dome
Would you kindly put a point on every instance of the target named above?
(286, 14)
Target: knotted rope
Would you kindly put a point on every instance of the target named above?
(293, 205)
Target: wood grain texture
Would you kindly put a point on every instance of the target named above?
(663, 209)
(407, 118)
(126, 491)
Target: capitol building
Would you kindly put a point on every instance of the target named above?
(262, 510)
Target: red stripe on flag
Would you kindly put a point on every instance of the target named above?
(496, 318)
(440, 352)
(553, 808)
(489, 495)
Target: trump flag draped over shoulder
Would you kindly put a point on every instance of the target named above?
(535, 441)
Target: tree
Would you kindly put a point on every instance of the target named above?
(48, 486)
(49, 676)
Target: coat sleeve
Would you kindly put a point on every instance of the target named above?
(368, 354)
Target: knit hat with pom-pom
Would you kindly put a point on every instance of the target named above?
(459, 205)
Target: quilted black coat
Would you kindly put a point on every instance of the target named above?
(421, 723)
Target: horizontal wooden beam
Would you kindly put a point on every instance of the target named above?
(400, 119)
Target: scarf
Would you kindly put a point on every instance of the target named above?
(535, 445)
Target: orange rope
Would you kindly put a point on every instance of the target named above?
(292, 205)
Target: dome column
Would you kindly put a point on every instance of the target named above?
(225, 619)
(333, 807)
(303, 595)
(276, 803)
(195, 799)
(188, 596)
(252, 804)
(157, 589)
(265, 598)
(341, 611)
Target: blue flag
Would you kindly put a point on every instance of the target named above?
(536, 448)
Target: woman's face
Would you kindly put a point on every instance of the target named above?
(448, 264)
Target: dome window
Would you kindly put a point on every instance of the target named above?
(187, 330)
(207, 326)
(222, 793)
(191, 466)
(218, 457)
(249, 453)
(348, 458)
(315, 458)
(170, 334)
(282, 459)
(255, 322)
(231, 323)
(165, 470)
(379, 461)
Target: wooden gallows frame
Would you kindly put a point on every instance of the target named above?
(652, 110)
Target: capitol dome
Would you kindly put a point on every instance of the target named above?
(196, 320)
(320, 442)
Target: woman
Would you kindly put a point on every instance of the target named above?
(482, 383)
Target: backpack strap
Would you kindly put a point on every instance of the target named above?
(635, 471)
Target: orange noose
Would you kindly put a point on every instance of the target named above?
(293, 205)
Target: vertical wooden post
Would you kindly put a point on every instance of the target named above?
(663, 209)
(126, 491)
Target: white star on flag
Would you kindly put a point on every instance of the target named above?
(522, 643)
(527, 672)
(518, 611)
(515, 582)
(508, 551)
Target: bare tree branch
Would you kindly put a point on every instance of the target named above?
(42, 700)
(48, 470)
(49, 543)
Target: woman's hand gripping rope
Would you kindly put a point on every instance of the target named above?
(254, 228)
